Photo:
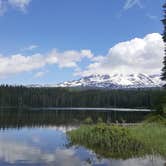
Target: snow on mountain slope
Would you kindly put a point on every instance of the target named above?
(115, 81)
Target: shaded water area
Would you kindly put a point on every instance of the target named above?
(38, 138)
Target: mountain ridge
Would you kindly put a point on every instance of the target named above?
(115, 81)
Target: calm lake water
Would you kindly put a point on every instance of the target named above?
(38, 138)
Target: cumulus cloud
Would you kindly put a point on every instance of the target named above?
(130, 3)
(68, 58)
(139, 55)
(19, 63)
(17, 4)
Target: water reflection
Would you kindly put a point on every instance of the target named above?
(36, 147)
(41, 140)
(49, 146)
(18, 118)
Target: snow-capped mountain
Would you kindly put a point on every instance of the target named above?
(115, 81)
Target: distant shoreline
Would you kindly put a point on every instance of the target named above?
(92, 109)
(80, 109)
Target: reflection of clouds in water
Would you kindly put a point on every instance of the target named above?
(12, 152)
(35, 139)
(66, 158)
(146, 161)
(33, 147)
(63, 129)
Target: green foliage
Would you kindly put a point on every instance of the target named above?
(160, 114)
(153, 135)
(88, 120)
(156, 118)
(99, 120)
(121, 142)
(19, 96)
(110, 141)
(164, 109)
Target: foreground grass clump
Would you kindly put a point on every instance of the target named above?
(114, 141)
(121, 142)
(153, 136)
(88, 120)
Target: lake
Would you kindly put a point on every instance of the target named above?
(38, 138)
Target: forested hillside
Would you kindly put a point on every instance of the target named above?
(19, 96)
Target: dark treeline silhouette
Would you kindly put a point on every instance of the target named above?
(18, 118)
(19, 96)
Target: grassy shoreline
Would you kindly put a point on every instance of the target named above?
(122, 142)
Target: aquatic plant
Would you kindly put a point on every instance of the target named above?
(99, 120)
(153, 136)
(121, 142)
(88, 120)
(107, 140)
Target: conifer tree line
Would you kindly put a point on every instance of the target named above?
(19, 96)
(163, 76)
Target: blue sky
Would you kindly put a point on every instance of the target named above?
(57, 40)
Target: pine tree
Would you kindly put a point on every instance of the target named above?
(163, 76)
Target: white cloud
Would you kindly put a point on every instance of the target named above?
(135, 56)
(17, 4)
(20, 4)
(68, 58)
(152, 17)
(19, 63)
(139, 55)
(130, 3)
(2, 7)
(40, 74)
(30, 48)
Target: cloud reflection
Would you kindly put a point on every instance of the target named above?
(14, 152)
(22, 147)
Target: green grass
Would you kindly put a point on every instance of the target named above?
(153, 136)
(88, 120)
(159, 119)
(122, 142)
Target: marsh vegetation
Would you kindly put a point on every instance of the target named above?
(122, 142)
